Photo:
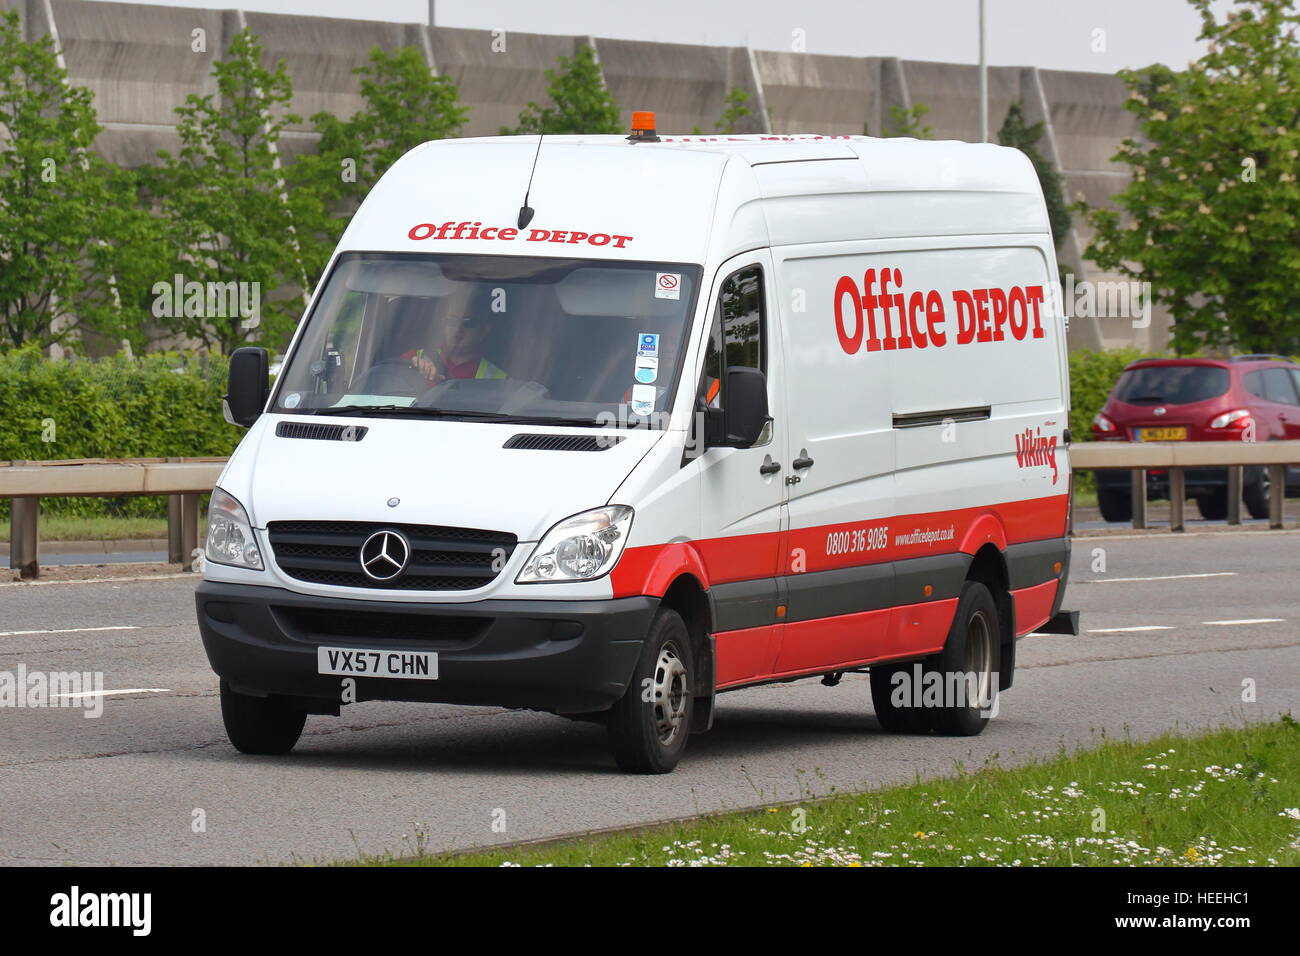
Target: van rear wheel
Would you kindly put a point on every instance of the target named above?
(649, 725)
(260, 725)
(968, 665)
(894, 699)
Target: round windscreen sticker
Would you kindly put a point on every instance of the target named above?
(292, 399)
(647, 369)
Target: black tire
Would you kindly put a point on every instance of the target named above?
(1255, 492)
(893, 699)
(1116, 504)
(649, 725)
(261, 725)
(1214, 506)
(973, 649)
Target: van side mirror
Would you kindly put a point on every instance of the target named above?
(746, 406)
(247, 386)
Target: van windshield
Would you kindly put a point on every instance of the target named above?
(564, 341)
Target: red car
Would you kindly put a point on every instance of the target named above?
(1245, 398)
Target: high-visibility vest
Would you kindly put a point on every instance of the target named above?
(485, 368)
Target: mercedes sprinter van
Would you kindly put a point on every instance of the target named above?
(605, 426)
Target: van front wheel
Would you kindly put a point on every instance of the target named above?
(649, 725)
(260, 725)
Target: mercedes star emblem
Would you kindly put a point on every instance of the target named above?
(385, 554)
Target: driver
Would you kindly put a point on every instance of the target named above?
(455, 351)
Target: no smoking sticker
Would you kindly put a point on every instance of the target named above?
(668, 285)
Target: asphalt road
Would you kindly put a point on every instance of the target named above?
(1161, 650)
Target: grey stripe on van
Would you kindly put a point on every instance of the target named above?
(1031, 563)
(871, 587)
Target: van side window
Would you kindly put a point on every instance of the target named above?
(738, 334)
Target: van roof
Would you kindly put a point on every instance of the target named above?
(689, 198)
(756, 148)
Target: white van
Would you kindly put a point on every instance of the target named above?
(603, 426)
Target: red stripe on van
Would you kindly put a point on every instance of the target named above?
(746, 654)
(847, 640)
(1034, 606)
(650, 569)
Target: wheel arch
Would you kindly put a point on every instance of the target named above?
(688, 597)
(988, 566)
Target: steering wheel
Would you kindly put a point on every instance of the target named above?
(394, 377)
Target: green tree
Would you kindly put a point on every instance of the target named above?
(905, 122)
(405, 105)
(580, 103)
(63, 211)
(228, 214)
(1211, 215)
(734, 110)
(1018, 133)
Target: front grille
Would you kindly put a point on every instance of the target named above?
(442, 559)
(317, 623)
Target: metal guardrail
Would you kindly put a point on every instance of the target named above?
(183, 480)
(1177, 456)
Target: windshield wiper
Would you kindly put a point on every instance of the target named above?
(543, 420)
(415, 411)
(425, 411)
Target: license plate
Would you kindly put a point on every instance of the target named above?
(356, 662)
(1162, 434)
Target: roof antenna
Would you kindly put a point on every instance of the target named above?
(526, 211)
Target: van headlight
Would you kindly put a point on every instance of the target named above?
(230, 535)
(580, 548)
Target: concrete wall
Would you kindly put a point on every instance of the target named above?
(820, 94)
(140, 63)
(684, 85)
(497, 75)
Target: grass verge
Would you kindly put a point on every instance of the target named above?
(1226, 798)
(56, 528)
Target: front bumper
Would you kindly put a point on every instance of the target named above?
(561, 656)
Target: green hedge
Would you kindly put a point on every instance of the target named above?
(1092, 376)
(157, 406)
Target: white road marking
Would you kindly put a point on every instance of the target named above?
(1126, 630)
(69, 630)
(1163, 577)
(111, 693)
(1250, 620)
